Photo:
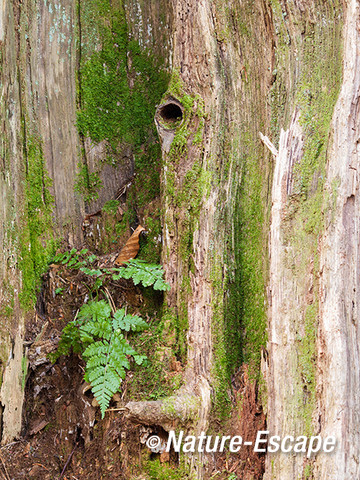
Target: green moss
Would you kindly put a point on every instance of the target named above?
(113, 108)
(150, 245)
(222, 368)
(87, 184)
(37, 243)
(147, 179)
(307, 366)
(8, 299)
(156, 379)
(162, 471)
(149, 382)
(119, 86)
(308, 472)
(182, 321)
(176, 89)
(239, 301)
(191, 405)
(123, 225)
(111, 207)
(24, 369)
(193, 121)
(250, 257)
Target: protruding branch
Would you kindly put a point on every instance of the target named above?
(167, 413)
(269, 145)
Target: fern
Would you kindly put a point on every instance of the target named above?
(145, 273)
(70, 339)
(95, 311)
(97, 335)
(74, 259)
(128, 322)
(140, 272)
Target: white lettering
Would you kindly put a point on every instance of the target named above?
(235, 444)
(177, 441)
(223, 441)
(260, 440)
(214, 448)
(189, 445)
(287, 438)
(300, 445)
(312, 449)
(331, 442)
(274, 444)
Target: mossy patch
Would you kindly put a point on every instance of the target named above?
(120, 84)
(87, 184)
(184, 194)
(157, 380)
(36, 242)
(250, 256)
(8, 299)
(162, 471)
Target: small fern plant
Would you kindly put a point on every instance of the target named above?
(146, 274)
(98, 335)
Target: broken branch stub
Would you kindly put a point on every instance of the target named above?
(266, 141)
(166, 413)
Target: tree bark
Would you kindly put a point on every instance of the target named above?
(259, 192)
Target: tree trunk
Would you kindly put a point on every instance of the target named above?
(258, 185)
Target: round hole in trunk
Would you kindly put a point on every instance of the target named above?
(170, 115)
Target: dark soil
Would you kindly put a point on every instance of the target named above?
(63, 436)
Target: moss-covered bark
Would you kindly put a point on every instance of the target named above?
(81, 82)
(49, 106)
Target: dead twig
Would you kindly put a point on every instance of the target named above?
(9, 444)
(120, 409)
(3, 464)
(42, 466)
(111, 301)
(67, 462)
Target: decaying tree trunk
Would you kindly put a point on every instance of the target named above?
(259, 232)
(338, 336)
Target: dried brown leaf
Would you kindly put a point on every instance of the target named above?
(131, 247)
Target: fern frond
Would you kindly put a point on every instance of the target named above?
(122, 345)
(139, 359)
(96, 361)
(105, 350)
(70, 339)
(105, 367)
(95, 311)
(104, 383)
(98, 348)
(128, 322)
(102, 329)
(91, 271)
(145, 273)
